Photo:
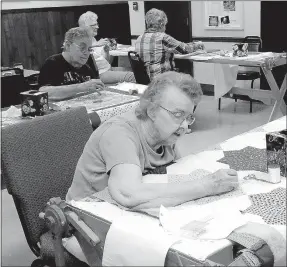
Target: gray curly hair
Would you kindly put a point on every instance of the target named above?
(155, 19)
(152, 95)
(87, 19)
(75, 34)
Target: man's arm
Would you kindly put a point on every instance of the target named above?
(126, 187)
(61, 92)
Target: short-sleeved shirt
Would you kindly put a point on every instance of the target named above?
(117, 141)
(57, 71)
(98, 53)
(156, 49)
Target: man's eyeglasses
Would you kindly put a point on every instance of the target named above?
(84, 49)
(180, 116)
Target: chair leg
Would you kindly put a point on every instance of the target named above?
(250, 108)
(219, 103)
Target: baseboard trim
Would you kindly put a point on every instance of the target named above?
(218, 39)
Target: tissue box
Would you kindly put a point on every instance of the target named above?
(276, 143)
(240, 50)
(34, 103)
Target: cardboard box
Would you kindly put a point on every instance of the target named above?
(276, 144)
(34, 103)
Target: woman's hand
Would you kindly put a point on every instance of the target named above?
(222, 181)
(103, 42)
(198, 46)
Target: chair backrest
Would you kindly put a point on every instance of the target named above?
(254, 43)
(12, 84)
(138, 68)
(38, 160)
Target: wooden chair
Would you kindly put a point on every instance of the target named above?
(38, 161)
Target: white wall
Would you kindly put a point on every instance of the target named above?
(137, 21)
(251, 19)
(8, 4)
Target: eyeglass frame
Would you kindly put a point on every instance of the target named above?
(179, 118)
(89, 50)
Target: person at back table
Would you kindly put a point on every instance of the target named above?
(67, 74)
(108, 74)
(125, 147)
(155, 47)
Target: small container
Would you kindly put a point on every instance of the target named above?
(274, 173)
(34, 103)
(276, 150)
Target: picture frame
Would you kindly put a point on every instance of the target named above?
(223, 15)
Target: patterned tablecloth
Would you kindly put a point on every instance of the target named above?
(267, 199)
(107, 104)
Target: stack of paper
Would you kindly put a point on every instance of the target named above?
(128, 87)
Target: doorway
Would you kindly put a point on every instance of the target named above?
(178, 15)
(273, 35)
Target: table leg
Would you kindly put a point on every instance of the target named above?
(277, 93)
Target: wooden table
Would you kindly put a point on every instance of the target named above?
(252, 60)
(110, 103)
(99, 219)
(28, 73)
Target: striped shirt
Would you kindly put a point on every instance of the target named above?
(156, 49)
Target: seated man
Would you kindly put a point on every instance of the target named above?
(67, 74)
(100, 49)
(127, 146)
(155, 47)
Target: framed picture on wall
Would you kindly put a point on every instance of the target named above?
(223, 15)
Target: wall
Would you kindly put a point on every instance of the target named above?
(31, 35)
(137, 20)
(251, 19)
(9, 5)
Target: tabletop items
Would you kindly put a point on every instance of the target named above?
(276, 144)
(34, 103)
(240, 50)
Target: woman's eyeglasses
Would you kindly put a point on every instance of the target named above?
(180, 116)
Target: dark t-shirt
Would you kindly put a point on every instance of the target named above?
(57, 71)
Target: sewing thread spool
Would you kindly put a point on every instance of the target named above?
(274, 173)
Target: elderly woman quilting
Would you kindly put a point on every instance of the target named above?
(107, 73)
(155, 47)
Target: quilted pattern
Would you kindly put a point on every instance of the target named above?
(270, 206)
(38, 161)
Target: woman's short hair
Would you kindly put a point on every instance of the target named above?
(152, 95)
(87, 19)
(75, 34)
(155, 19)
